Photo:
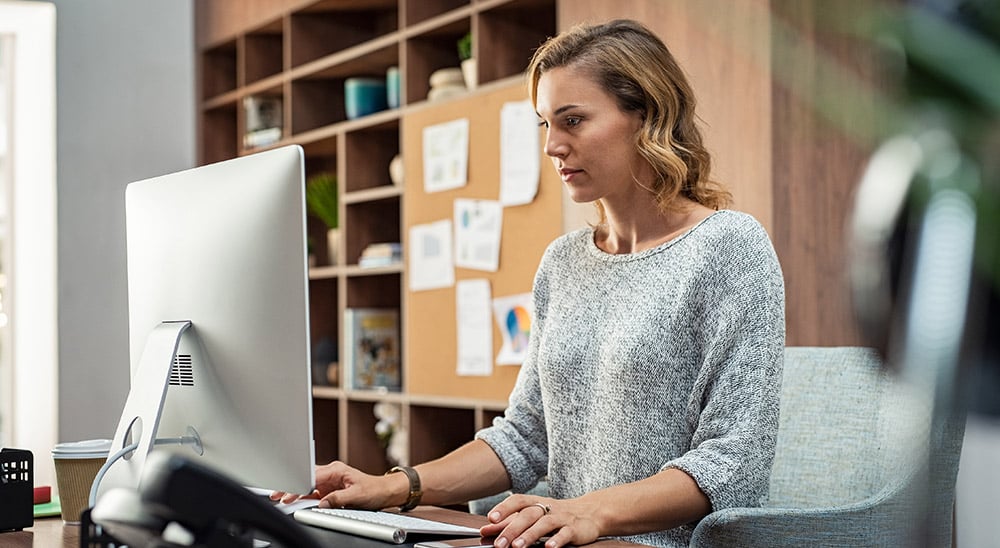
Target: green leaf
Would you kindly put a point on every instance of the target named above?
(322, 198)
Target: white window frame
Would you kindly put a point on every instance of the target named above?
(31, 274)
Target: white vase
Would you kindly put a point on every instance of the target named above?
(469, 73)
(396, 172)
(333, 245)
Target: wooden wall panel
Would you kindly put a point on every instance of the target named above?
(819, 153)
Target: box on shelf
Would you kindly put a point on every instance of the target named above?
(372, 353)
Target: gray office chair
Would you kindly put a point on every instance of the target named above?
(863, 459)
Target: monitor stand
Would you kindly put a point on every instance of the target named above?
(144, 406)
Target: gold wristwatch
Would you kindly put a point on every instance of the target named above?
(415, 492)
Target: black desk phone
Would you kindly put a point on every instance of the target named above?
(182, 503)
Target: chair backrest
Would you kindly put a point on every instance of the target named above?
(848, 429)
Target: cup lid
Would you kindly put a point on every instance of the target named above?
(87, 449)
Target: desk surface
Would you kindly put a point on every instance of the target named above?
(50, 532)
(45, 533)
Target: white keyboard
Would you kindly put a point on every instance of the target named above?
(384, 526)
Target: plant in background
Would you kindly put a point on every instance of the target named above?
(322, 198)
(468, 63)
(465, 47)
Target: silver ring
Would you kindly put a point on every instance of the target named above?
(545, 507)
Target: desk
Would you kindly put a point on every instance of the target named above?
(45, 533)
(51, 533)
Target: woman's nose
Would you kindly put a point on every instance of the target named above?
(554, 145)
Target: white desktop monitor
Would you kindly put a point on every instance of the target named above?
(218, 289)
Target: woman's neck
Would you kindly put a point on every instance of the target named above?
(644, 226)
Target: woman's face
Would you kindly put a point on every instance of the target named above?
(591, 141)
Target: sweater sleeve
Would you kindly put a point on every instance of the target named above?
(734, 403)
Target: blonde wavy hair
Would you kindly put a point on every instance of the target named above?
(635, 67)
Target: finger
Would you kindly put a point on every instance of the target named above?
(330, 501)
(493, 529)
(536, 530)
(562, 538)
(525, 527)
(509, 506)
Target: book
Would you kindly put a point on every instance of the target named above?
(383, 249)
(381, 254)
(372, 353)
(262, 137)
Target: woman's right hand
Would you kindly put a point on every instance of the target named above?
(341, 486)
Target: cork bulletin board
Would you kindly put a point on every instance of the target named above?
(429, 316)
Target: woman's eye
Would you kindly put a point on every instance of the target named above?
(543, 123)
(573, 121)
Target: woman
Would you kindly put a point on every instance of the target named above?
(649, 395)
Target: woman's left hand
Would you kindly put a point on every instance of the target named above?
(521, 520)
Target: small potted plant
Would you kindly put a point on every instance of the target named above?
(322, 199)
(468, 61)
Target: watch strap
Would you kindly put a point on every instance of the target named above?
(413, 499)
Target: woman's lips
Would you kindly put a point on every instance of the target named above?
(568, 173)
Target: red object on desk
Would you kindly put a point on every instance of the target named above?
(43, 494)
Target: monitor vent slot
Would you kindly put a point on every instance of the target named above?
(182, 373)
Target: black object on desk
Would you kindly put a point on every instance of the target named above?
(17, 483)
(211, 508)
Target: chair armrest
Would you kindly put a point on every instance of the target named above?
(878, 521)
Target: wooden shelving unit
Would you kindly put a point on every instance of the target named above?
(302, 52)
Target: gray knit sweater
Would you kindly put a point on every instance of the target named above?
(665, 358)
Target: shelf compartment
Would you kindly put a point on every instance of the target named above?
(371, 222)
(219, 133)
(509, 33)
(330, 26)
(421, 10)
(364, 450)
(326, 429)
(318, 96)
(371, 150)
(434, 431)
(323, 317)
(376, 291)
(317, 102)
(321, 155)
(263, 52)
(218, 70)
(433, 49)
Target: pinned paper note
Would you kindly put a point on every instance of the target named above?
(431, 265)
(475, 330)
(513, 315)
(478, 225)
(519, 152)
(446, 155)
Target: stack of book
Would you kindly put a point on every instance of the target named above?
(381, 254)
(263, 120)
